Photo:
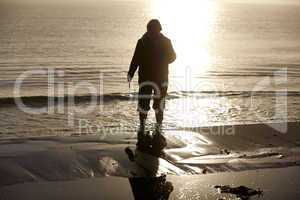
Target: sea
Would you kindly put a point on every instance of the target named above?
(63, 64)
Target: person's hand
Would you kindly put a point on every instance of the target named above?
(129, 77)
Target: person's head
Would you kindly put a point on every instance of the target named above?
(154, 26)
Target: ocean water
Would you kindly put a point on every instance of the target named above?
(237, 63)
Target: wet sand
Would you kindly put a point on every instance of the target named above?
(277, 184)
(249, 156)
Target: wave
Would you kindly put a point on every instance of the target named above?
(4, 101)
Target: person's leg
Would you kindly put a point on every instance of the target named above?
(159, 103)
(145, 92)
(159, 115)
(143, 117)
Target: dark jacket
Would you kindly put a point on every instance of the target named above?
(152, 56)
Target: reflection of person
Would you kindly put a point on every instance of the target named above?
(150, 144)
(148, 150)
(151, 188)
(153, 54)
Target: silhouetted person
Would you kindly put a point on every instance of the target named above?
(153, 54)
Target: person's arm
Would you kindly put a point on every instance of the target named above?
(135, 62)
(171, 53)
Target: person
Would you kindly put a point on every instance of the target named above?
(153, 54)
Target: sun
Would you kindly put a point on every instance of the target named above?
(189, 23)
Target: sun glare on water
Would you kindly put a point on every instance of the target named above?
(190, 25)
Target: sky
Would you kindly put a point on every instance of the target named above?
(267, 1)
(93, 1)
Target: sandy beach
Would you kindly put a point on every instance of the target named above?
(185, 187)
(247, 157)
